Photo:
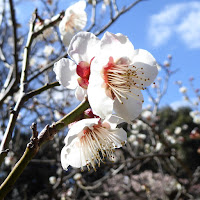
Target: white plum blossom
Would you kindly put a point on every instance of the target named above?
(105, 4)
(194, 113)
(185, 127)
(185, 98)
(77, 176)
(147, 148)
(135, 143)
(159, 67)
(147, 115)
(48, 50)
(138, 123)
(32, 61)
(166, 63)
(158, 146)
(171, 139)
(177, 130)
(68, 193)
(91, 140)
(196, 116)
(196, 119)
(10, 159)
(183, 89)
(74, 73)
(141, 136)
(52, 180)
(47, 32)
(75, 20)
(118, 74)
(134, 131)
(179, 83)
(131, 138)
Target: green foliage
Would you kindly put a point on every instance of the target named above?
(170, 119)
(166, 117)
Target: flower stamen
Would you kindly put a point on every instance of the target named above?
(97, 144)
(120, 77)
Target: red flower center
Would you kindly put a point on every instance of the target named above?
(83, 70)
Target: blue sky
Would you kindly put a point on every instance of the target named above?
(161, 27)
(167, 27)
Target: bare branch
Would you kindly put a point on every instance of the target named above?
(14, 24)
(49, 66)
(117, 16)
(36, 142)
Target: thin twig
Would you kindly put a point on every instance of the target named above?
(93, 17)
(50, 65)
(14, 24)
(36, 142)
(117, 16)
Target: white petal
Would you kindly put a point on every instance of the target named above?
(63, 158)
(81, 21)
(83, 47)
(65, 70)
(77, 128)
(72, 155)
(77, 7)
(62, 25)
(131, 108)
(114, 121)
(80, 93)
(67, 37)
(75, 19)
(73, 22)
(101, 104)
(143, 59)
(122, 135)
(116, 46)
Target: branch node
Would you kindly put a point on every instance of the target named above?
(12, 111)
(34, 130)
(4, 151)
(34, 139)
(47, 134)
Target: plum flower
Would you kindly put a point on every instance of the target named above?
(74, 73)
(47, 32)
(90, 141)
(183, 90)
(118, 74)
(75, 20)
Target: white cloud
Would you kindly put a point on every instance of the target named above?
(180, 19)
(178, 104)
(189, 30)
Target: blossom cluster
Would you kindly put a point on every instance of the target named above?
(193, 101)
(73, 21)
(111, 74)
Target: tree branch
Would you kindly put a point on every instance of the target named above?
(47, 67)
(40, 90)
(36, 142)
(14, 115)
(12, 11)
(117, 16)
